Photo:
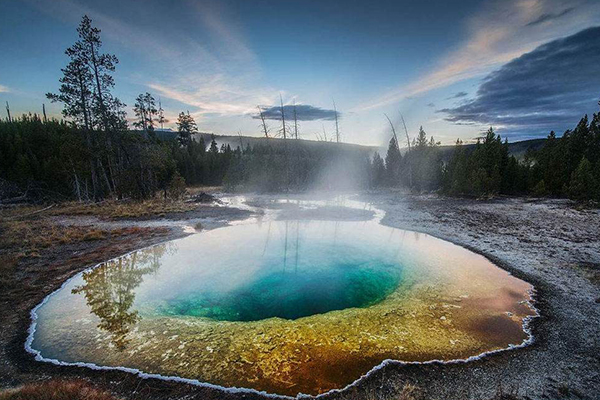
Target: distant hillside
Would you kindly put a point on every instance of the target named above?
(518, 149)
(235, 141)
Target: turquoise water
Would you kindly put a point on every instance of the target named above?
(324, 281)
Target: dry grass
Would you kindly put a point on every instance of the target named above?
(33, 237)
(393, 391)
(124, 209)
(27, 238)
(56, 390)
(409, 392)
(194, 190)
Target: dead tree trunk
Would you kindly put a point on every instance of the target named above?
(410, 176)
(285, 146)
(263, 122)
(393, 131)
(8, 112)
(282, 118)
(337, 126)
(295, 121)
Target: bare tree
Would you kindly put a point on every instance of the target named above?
(337, 126)
(8, 112)
(264, 125)
(410, 174)
(295, 121)
(161, 115)
(285, 147)
(393, 131)
(283, 130)
(44, 112)
(406, 131)
(323, 137)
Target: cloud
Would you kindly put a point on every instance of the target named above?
(229, 84)
(548, 88)
(432, 105)
(208, 66)
(458, 95)
(4, 89)
(304, 112)
(201, 99)
(126, 34)
(496, 35)
(549, 17)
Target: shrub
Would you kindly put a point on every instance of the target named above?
(176, 187)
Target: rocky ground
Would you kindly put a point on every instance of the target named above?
(549, 243)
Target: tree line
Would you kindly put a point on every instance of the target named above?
(51, 159)
(566, 166)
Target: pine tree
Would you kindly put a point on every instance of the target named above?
(421, 141)
(377, 170)
(75, 93)
(213, 149)
(86, 94)
(186, 127)
(425, 162)
(214, 165)
(146, 112)
(583, 183)
(106, 107)
(393, 160)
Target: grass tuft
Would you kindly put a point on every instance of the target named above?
(56, 389)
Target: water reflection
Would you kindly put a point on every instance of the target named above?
(109, 290)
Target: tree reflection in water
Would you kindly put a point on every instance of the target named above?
(109, 290)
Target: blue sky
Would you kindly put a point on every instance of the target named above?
(454, 67)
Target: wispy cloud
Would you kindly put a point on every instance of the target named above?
(4, 89)
(495, 36)
(212, 97)
(229, 83)
(207, 67)
(458, 95)
(518, 98)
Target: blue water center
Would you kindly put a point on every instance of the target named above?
(334, 284)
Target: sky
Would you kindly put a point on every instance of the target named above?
(525, 67)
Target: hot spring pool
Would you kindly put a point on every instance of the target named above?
(285, 307)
